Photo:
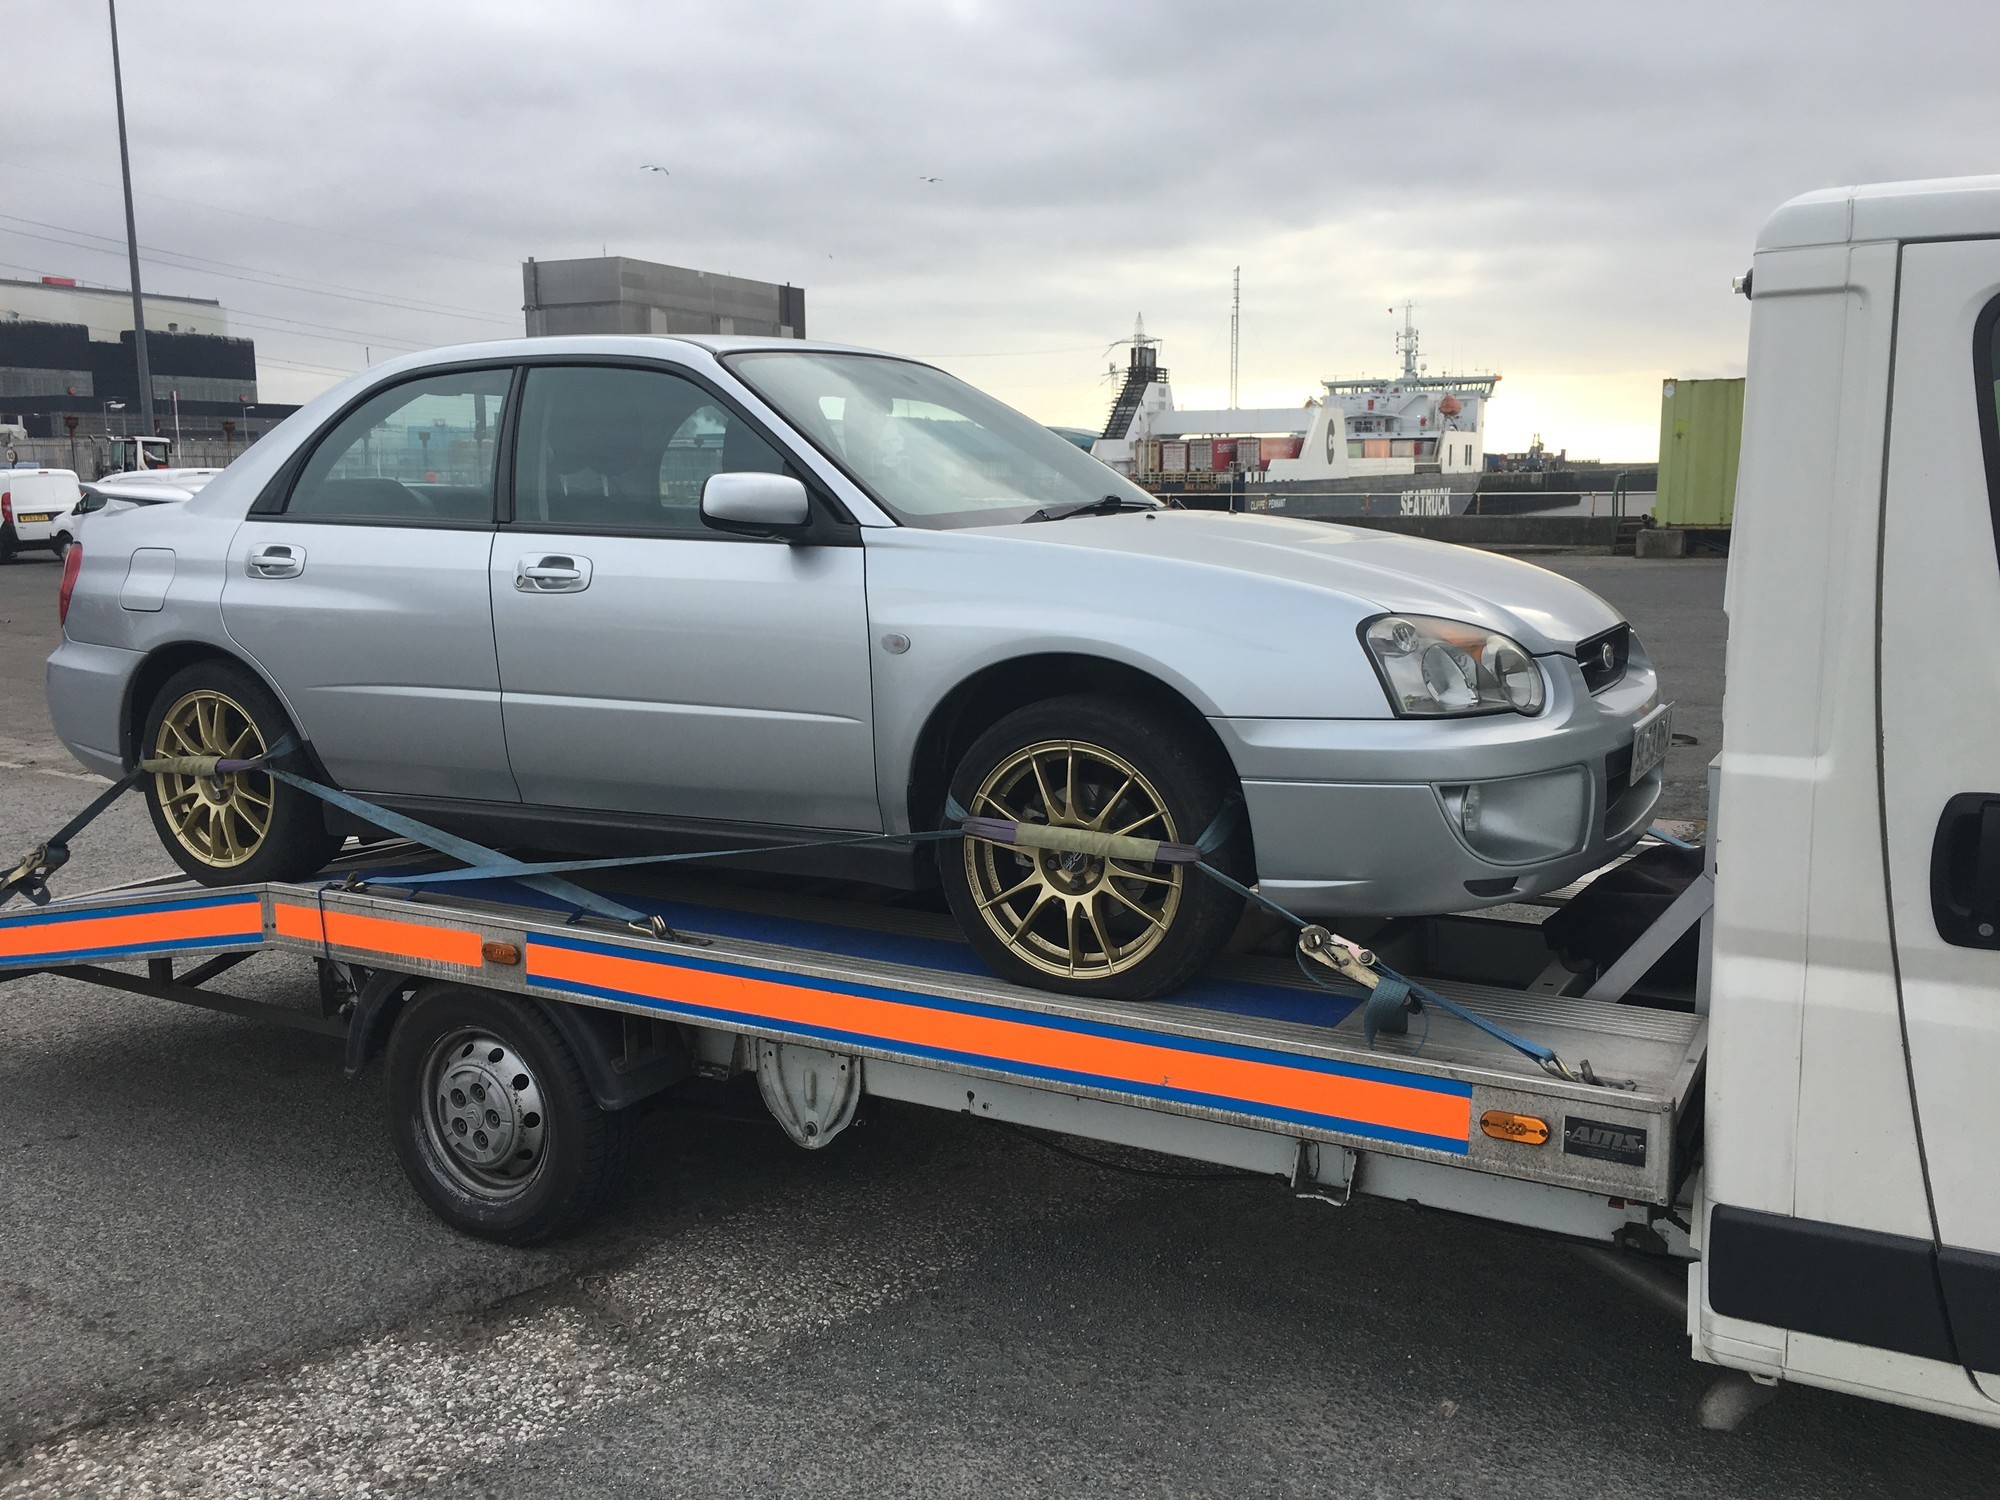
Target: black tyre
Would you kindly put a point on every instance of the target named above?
(64, 541)
(239, 828)
(492, 1119)
(9, 544)
(1082, 924)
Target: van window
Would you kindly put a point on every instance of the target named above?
(1986, 393)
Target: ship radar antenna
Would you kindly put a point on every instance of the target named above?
(1406, 341)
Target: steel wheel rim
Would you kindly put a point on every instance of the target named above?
(484, 1114)
(1068, 915)
(221, 820)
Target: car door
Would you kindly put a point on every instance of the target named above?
(651, 664)
(362, 593)
(1939, 667)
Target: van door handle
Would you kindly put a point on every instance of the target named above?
(277, 561)
(552, 573)
(1965, 871)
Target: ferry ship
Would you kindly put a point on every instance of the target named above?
(1411, 444)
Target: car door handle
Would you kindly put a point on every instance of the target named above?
(1965, 871)
(276, 562)
(552, 573)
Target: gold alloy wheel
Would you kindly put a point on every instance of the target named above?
(221, 820)
(1078, 916)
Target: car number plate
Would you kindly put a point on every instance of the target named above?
(47, 515)
(1650, 739)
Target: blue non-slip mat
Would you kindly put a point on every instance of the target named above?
(1269, 1002)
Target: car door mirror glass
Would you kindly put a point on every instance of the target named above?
(755, 503)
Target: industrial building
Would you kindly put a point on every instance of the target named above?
(67, 350)
(616, 294)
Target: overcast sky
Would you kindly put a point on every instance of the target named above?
(1563, 189)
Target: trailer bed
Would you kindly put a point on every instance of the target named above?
(1253, 1047)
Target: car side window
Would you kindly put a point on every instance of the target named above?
(418, 453)
(605, 448)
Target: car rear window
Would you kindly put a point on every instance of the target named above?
(419, 453)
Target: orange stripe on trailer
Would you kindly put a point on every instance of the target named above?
(395, 936)
(241, 920)
(1394, 1106)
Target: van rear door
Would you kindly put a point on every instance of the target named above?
(1938, 666)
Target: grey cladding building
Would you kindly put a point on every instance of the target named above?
(614, 294)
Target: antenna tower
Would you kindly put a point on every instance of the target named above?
(1235, 329)
(1406, 342)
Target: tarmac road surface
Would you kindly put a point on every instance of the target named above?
(214, 1281)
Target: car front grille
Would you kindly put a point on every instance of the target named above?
(1603, 657)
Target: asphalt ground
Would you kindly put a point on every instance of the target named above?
(214, 1280)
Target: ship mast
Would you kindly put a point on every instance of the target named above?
(1235, 328)
(1406, 342)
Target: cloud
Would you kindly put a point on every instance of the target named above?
(1564, 188)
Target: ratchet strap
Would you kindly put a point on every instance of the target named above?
(30, 877)
(1390, 997)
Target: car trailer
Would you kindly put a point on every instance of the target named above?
(502, 1013)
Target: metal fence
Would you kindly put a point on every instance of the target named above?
(90, 457)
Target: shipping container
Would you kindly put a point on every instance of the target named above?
(1173, 458)
(1201, 456)
(1225, 455)
(1249, 453)
(1701, 433)
(1282, 447)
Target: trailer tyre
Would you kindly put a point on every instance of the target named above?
(493, 1120)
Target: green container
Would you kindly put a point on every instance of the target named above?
(1701, 434)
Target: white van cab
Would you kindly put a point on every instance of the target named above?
(37, 510)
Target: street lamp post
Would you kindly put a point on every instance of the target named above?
(131, 235)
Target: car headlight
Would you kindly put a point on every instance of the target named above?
(1434, 668)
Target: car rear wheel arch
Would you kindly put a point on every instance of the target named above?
(989, 695)
(161, 664)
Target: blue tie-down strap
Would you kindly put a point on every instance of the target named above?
(1388, 1007)
(482, 863)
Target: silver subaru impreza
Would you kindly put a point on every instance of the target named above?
(614, 595)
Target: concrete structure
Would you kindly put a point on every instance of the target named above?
(66, 351)
(615, 294)
(106, 311)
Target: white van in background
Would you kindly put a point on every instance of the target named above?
(37, 510)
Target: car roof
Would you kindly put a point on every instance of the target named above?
(642, 345)
(1934, 209)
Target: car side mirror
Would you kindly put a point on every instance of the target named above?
(754, 504)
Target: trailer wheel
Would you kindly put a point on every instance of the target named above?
(492, 1118)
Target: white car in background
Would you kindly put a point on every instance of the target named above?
(38, 511)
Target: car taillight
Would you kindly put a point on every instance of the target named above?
(72, 565)
(6, 508)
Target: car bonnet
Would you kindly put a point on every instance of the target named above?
(1542, 610)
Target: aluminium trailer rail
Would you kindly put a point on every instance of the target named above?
(1250, 1067)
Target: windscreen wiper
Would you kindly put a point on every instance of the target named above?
(1109, 505)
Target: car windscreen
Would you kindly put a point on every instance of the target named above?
(931, 450)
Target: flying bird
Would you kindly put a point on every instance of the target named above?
(649, 167)
(922, 178)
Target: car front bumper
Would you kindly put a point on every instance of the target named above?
(1358, 817)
